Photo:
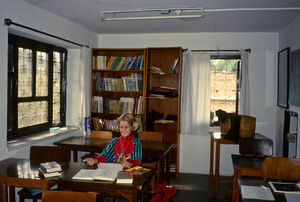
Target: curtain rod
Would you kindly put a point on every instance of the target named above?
(248, 50)
(9, 22)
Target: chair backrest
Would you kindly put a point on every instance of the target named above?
(150, 136)
(50, 153)
(280, 168)
(68, 196)
(101, 134)
(257, 146)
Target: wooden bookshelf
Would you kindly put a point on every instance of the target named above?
(167, 105)
(117, 74)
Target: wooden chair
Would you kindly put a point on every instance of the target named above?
(151, 162)
(68, 196)
(150, 136)
(44, 153)
(281, 168)
(101, 134)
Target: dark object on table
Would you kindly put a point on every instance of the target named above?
(234, 131)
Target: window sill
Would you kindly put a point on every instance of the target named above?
(40, 137)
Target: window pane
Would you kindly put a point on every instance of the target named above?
(42, 73)
(223, 86)
(24, 72)
(32, 113)
(56, 87)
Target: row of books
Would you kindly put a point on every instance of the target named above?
(163, 91)
(125, 83)
(131, 105)
(110, 124)
(119, 63)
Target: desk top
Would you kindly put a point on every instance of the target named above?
(26, 169)
(82, 142)
(242, 161)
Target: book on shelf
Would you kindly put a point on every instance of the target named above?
(285, 187)
(49, 167)
(100, 62)
(46, 174)
(156, 70)
(124, 178)
(174, 66)
(97, 124)
(105, 171)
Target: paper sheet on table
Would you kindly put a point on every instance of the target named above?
(257, 192)
(292, 197)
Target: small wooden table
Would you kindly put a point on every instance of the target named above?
(218, 138)
(24, 173)
(150, 149)
(245, 166)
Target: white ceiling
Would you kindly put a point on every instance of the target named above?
(87, 14)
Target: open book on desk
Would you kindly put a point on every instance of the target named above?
(105, 171)
(285, 187)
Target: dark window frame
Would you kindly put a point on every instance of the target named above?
(14, 42)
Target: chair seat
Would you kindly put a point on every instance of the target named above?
(33, 192)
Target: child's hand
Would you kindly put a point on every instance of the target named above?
(90, 161)
(126, 164)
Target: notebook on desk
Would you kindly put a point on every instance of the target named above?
(257, 192)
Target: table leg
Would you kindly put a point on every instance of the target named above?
(234, 184)
(237, 189)
(167, 161)
(160, 170)
(75, 156)
(211, 166)
(3, 191)
(12, 194)
(217, 168)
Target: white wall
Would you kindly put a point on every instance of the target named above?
(194, 156)
(24, 13)
(289, 37)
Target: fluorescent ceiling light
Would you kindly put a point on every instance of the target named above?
(152, 14)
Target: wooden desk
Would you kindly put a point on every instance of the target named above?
(20, 173)
(245, 166)
(218, 138)
(252, 182)
(151, 149)
(24, 173)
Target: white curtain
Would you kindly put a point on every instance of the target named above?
(245, 91)
(195, 93)
(84, 81)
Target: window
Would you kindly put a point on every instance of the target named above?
(224, 85)
(36, 86)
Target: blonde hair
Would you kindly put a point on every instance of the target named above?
(128, 118)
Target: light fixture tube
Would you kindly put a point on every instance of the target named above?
(162, 14)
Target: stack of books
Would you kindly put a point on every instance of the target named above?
(124, 178)
(50, 169)
(163, 91)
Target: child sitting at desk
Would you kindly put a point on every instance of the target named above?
(125, 149)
